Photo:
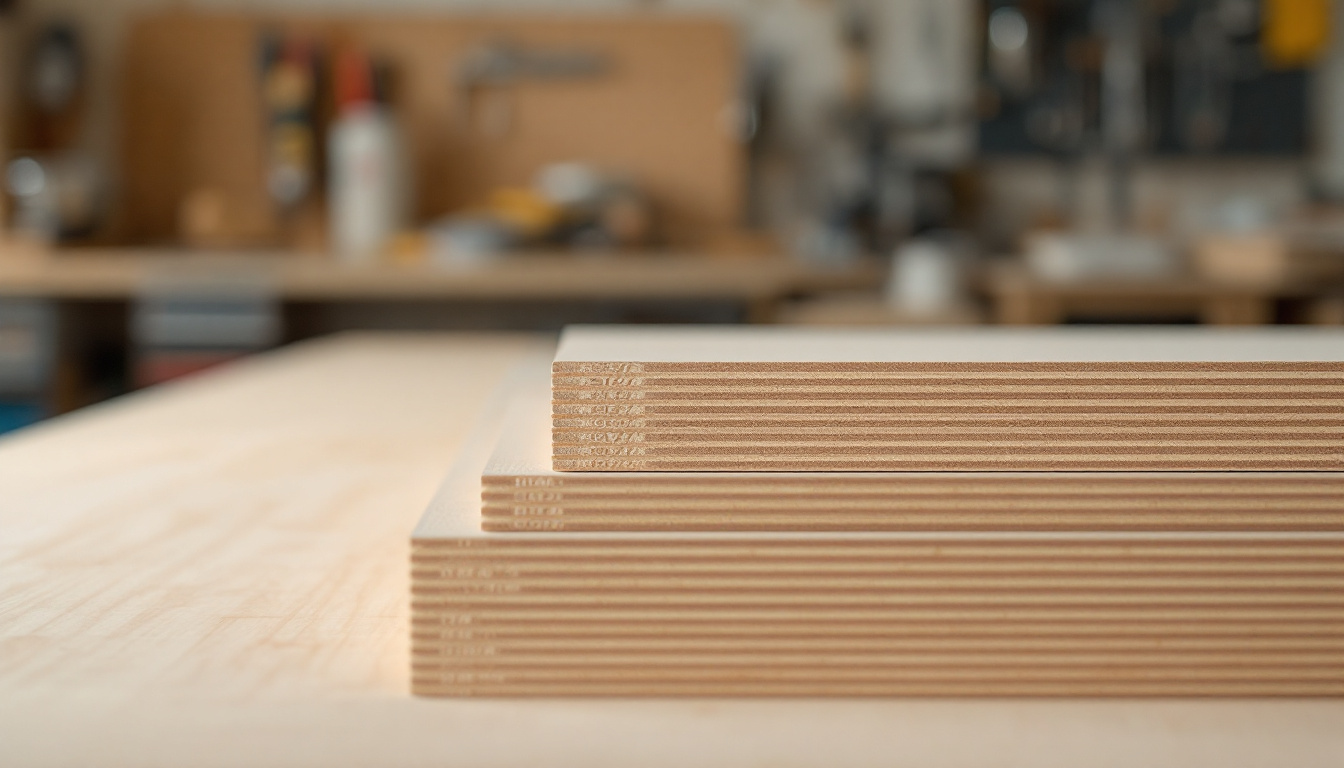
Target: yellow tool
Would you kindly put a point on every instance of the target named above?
(1295, 32)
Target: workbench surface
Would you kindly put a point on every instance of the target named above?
(92, 273)
(214, 572)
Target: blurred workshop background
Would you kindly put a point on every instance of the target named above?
(187, 183)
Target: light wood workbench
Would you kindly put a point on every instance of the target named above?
(215, 573)
(1021, 298)
(120, 273)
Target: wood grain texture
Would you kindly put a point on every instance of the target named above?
(213, 573)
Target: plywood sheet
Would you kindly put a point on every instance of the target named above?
(785, 613)
(764, 399)
(521, 492)
(684, 347)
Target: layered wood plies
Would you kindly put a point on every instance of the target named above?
(880, 614)
(759, 613)
(521, 492)
(763, 399)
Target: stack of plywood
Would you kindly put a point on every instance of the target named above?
(758, 399)
(520, 492)
(528, 581)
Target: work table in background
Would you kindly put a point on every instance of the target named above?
(117, 318)
(120, 273)
(1020, 297)
(214, 572)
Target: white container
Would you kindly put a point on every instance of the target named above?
(927, 276)
(1062, 257)
(367, 183)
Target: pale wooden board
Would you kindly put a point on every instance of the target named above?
(545, 518)
(736, 631)
(730, 347)
(520, 492)
(729, 399)
(582, 685)
(120, 273)
(1058, 637)
(689, 461)
(214, 574)
(631, 583)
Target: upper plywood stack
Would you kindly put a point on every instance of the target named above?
(764, 399)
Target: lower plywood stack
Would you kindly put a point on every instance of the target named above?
(1015, 600)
